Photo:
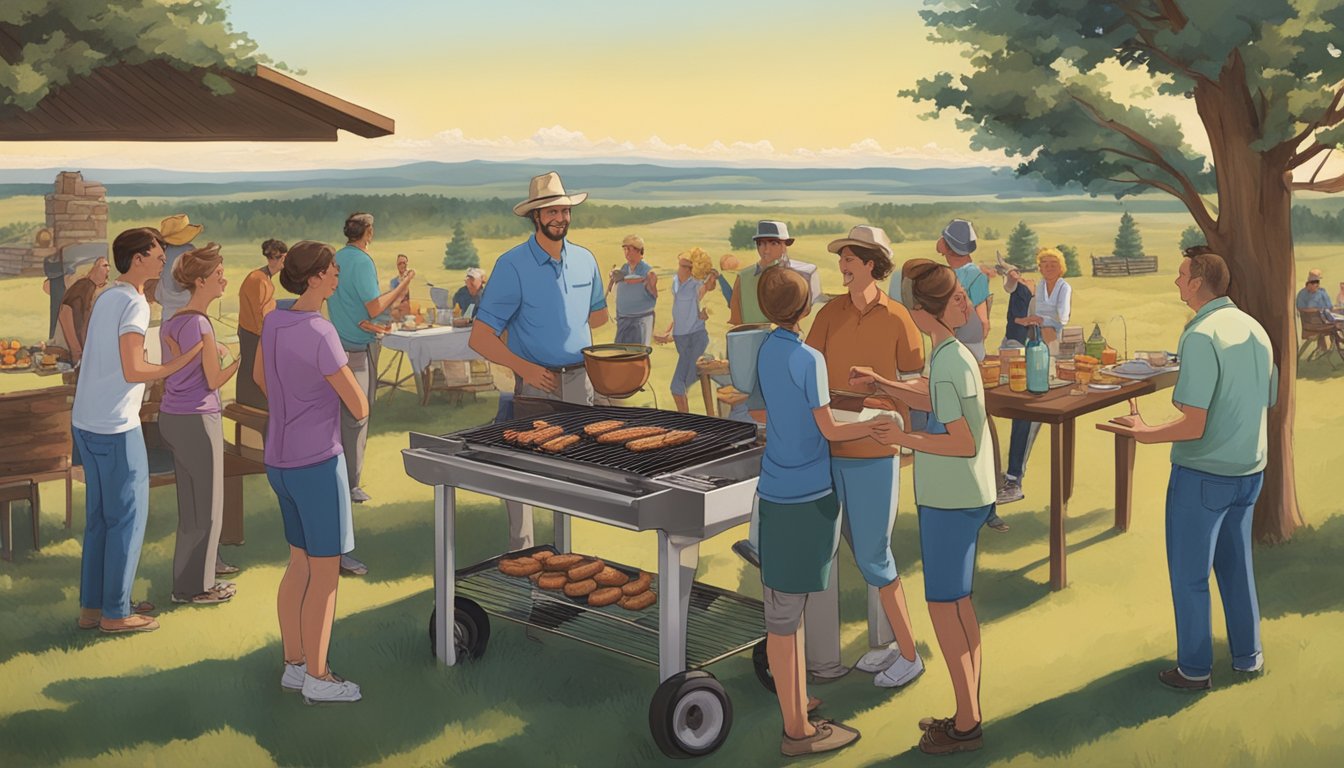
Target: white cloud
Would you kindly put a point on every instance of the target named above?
(554, 142)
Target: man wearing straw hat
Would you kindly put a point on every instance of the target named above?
(1312, 296)
(547, 333)
(636, 294)
(178, 233)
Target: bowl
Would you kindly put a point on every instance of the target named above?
(1155, 359)
(617, 370)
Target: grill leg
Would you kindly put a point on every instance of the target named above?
(561, 528)
(678, 557)
(445, 573)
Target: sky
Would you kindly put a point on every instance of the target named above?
(696, 81)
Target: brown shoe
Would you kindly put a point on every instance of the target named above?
(931, 723)
(945, 741)
(132, 623)
(829, 736)
(1173, 678)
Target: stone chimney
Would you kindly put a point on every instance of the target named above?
(77, 211)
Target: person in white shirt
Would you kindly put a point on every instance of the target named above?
(106, 431)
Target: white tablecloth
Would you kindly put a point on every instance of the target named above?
(431, 345)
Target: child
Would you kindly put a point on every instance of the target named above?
(799, 512)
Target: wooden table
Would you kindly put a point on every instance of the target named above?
(706, 369)
(1060, 410)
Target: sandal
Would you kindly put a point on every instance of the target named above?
(225, 569)
(219, 593)
(91, 619)
(132, 623)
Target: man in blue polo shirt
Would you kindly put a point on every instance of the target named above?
(548, 294)
(1227, 384)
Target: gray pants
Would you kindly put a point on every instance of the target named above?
(197, 443)
(355, 432)
(822, 622)
(637, 329)
(574, 388)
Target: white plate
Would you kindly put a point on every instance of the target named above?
(1104, 387)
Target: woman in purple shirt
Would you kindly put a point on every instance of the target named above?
(189, 421)
(306, 377)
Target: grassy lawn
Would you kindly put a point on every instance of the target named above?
(1069, 677)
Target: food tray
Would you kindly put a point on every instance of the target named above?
(720, 623)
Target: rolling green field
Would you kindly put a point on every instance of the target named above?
(1069, 677)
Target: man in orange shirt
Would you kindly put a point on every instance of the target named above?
(866, 329)
(256, 299)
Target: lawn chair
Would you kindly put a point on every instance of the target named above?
(1316, 329)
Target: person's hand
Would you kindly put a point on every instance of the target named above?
(172, 346)
(862, 378)
(704, 314)
(883, 429)
(1128, 426)
(1034, 319)
(222, 350)
(661, 339)
(410, 275)
(615, 275)
(541, 378)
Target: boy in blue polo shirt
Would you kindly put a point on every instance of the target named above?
(799, 512)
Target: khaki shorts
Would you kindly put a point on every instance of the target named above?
(783, 610)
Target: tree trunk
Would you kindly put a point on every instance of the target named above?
(1254, 234)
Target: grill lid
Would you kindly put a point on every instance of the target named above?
(714, 438)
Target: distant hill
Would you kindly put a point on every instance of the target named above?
(485, 178)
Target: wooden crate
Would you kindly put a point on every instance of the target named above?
(35, 432)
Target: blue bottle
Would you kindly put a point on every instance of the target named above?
(1038, 363)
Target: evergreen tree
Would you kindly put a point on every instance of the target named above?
(460, 253)
(1072, 267)
(739, 239)
(1191, 237)
(1022, 246)
(1128, 242)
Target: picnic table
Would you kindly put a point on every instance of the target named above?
(1060, 410)
(423, 347)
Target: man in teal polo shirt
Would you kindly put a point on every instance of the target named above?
(355, 303)
(1228, 382)
(548, 294)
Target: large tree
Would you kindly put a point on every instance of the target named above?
(1055, 84)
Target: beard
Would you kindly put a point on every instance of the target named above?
(555, 232)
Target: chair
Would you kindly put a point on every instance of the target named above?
(36, 446)
(1316, 329)
(459, 377)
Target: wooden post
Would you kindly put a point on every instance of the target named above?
(1058, 573)
(231, 532)
(1124, 480)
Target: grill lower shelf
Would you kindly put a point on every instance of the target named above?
(719, 623)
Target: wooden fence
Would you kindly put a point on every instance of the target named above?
(1117, 266)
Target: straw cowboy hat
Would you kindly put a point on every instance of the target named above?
(178, 230)
(864, 236)
(547, 190)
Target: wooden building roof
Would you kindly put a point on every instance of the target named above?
(155, 101)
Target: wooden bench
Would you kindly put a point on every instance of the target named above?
(239, 462)
(1316, 329)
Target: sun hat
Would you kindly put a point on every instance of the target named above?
(178, 230)
(547, 190)
(864, 236)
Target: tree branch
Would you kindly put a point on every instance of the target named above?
(1154, 183)
(1190, 196)
(1146, 35)
(1302, 158)
(1326, 185)
(1333, 114)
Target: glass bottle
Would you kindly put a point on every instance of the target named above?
(1038, 363)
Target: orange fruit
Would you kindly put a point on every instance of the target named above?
(15, 344)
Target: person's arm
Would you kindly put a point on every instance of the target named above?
(914, 392)
(707, 285)
(879, 428)
(66, 319)
(958, 441)
(486, 342)
(651, 283)
(1065, 303)
(351, 394)
(1192, 395)
(259, 370)
(598, 317)
(215, 377)
(46, 286)
(982, 311)
(735, 304)
(1188, 426)
(382, 303)
(137, 370)
(597, 302)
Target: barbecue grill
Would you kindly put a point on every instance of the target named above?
(686, 493)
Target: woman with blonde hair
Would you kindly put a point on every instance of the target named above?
(190, 422)
(954, 487)
(1054, 304)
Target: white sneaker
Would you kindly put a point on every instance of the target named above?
(292, 679)
(334, 691)
(879, 659)
(900, 673)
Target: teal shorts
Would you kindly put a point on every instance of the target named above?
(798, 543)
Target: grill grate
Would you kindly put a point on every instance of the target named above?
(714, 438)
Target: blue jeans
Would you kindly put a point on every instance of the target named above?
(116, 505)
(1209, 527)
(1019, 447)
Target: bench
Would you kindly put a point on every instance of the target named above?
(1316, 329)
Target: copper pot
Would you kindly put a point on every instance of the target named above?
(617, 370)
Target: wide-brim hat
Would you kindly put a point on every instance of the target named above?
(178, 230)
(773, 229)
(864, 236)
(547, 190)
(1314, 276)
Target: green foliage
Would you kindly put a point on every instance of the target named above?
(1072, 266)
(990, 233)
(62, 40)
(399, 216)
(1310, 226)
(1038, 86)
(1192, 236)
(739, 237)
(1022, 246)
(460, 253)
(19, 232)
(1128, 241)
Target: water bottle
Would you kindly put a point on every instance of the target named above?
(1038, 363)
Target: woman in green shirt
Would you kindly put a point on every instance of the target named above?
(954, 487)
